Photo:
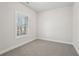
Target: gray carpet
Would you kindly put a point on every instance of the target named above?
(43, 48)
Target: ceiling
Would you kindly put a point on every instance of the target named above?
(43, 6)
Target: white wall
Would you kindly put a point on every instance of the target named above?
(76, 26)
(7, 26)
(56, 25)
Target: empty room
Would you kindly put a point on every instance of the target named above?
(39, 28)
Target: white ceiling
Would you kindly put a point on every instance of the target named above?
(42, 6)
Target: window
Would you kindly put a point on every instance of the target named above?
(22, 22)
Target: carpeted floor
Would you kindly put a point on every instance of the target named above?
(43, 48)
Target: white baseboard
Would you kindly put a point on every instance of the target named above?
(13, 47)
(48, 39)
(76, 49)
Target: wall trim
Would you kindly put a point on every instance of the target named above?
(16, 46)
(44, 38)
(76, 49)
